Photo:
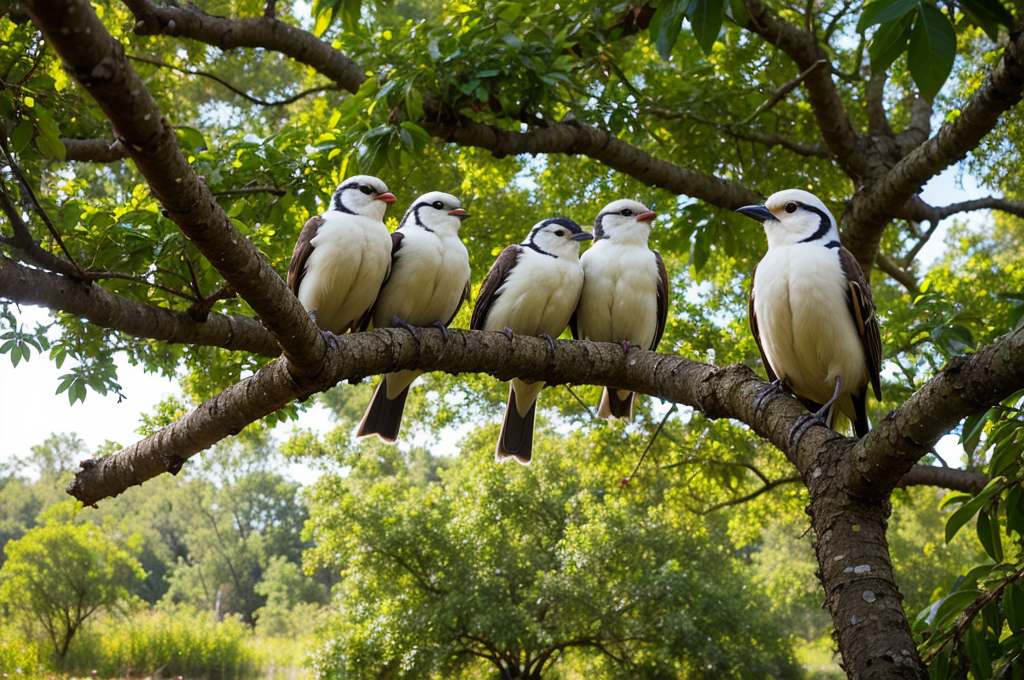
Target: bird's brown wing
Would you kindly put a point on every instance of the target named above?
(303, 248)
(862, 308)
(662, 301)
(492, 282)
(757, 333)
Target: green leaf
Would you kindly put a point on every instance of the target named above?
(988, 533)
(1006, 453)
(882, 11)
(969, 509)
(938, 669)
(950, 606)
(988, 15)
(932, 50)
(21, 135)
(666, 24)
(706, 22)
(977, 651)
(1013, 605)
(190, 138)
(739, 13)
(973, 428)
(889, 41)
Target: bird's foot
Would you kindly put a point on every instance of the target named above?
(551, 341)
(508, 332)
(804, 423)
(775, 388)
(333, 341)
(444, 329)
(625, 347)
(397, 322)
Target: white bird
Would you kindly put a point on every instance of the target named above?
(625, 290)
(430, 279)
(811, 311)
(531, 289)
(343, 256)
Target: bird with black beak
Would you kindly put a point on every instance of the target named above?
(531, 289)
(812, 312)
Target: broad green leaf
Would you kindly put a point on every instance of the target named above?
(888, 42)
(973, 428)
(882, 11)
(190, 138)
(965, 512)
(706, 22)
(988, 533)
(1006, 453)
(977, 651)
(932, 50)
(988, 15)
(21, 135)
(739, 13)
(951, 605)
(1015, 510)
(666, 24)
(1013, 605)
(938, 669)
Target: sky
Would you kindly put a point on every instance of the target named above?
(30, 410)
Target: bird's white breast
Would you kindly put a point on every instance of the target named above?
(620, 294)
(804, 322)
(427, 281)
(538, 296)
(351, 256)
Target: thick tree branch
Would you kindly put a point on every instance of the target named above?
(898, 273)
(29, 286)
(870, 210)
(987, 203)
(954, 479)
(967, 385)
(99, 63)
(99, 150)
(576, 138)
(266, 32)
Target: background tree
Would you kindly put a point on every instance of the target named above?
(61, 573)
(168, 232)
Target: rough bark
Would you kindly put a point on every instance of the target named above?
(29, 286)
(98, 62)
(718, 392)
(99, 150)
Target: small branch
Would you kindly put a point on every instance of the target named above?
(902, 276)
(987, 203)
(270, 11)
(98, 150)
(921, 242)
(241, 93)
(768, 486)
(249, 190)
(833, 23)
(786, 88)
(769, 139)
(874, 105)
(955, 479)
(653, 437)
(23, 241)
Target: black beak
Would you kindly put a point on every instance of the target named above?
(757, 212)
(582, 236)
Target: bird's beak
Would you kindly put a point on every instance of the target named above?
(460, 213)
(756, 212)
(387, 197)
(647, 216)
(582, 236)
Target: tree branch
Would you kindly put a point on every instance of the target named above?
(98, 150)
(898, 273)
(968, 384)
(767, 486)
(770, 139)
(241, 93)
(98, 62)
(870, 210)
(954, 479)
(29, 286)
(265, 32)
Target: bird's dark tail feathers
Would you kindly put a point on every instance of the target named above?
(383, 416)
(860, 423)
(614, 405)
(516, 437)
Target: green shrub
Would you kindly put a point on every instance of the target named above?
(186, 643)
(19, 656)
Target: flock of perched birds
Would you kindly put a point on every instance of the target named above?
(811, 309)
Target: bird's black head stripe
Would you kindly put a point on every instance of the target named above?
(599, 227)
(833, 244)
(529, 243)
(564, 222)
(337, 202)
(823, 226)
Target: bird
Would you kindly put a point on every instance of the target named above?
(429, 281)
(812, 313)
(343, 256)
(531, 289)
(625, 290)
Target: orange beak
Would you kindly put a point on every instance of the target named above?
(458, 212)
(647, 216)
(387, 197)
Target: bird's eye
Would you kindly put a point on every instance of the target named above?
(791, 207)
(366, 190)
(626, 212)
(437, 205)
(559, 233)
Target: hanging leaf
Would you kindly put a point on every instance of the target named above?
(988, 533)
(932, 50)
(988, 15)
(883, 11)
(706, 22)
(666, 24)
(889, 42)
(1013, 604)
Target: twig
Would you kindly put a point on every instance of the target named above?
(782, 92)
(912, 253)
(240, 93)
(653, 437)
(904, 277)
(582, 403)
(768, 486)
